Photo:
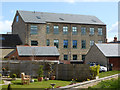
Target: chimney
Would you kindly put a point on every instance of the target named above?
(115, 39)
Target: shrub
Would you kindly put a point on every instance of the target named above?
(35, 80)
(14, 76)
(0, 75)
(40, 71)
(95, 70)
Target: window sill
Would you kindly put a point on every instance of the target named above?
(99, 35)
(91, 35)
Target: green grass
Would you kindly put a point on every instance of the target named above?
(43, 84)
(1, 82)
(113, 83)
(109, 73)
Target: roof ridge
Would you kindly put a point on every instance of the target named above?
(55, 13)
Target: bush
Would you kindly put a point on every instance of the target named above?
(35, 80)
(40, 72)
(14, 76)
(95, 70)
(0, 75)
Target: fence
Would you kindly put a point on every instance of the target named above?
(27, 66)
(73, 71)
(63, 71)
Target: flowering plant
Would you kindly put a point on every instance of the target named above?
(73, 81)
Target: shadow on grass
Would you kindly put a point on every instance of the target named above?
(18, 83)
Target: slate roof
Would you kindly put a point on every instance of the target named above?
(37, 51)
(109, 50)
(9, 40)
(43, 17)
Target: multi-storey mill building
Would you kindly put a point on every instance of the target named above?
(72, 34)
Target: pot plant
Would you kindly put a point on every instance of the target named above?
(40, 73)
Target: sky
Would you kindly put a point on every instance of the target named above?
(107, 12)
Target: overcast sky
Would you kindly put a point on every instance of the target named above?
(105, 11)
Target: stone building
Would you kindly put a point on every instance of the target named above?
(106, 54)
(72, 34)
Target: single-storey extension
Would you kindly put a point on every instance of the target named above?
(34, 53)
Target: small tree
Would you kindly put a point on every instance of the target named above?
(40, 71)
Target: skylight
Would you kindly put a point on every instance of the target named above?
(93, 20)
(61, 19)
(38, 17)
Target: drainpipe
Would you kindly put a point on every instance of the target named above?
(107, 64)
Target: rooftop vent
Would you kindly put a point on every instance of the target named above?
(93, 20)
(61, 19)
(38, 17)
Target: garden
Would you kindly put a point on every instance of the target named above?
(45, 83)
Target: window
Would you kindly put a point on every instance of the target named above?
(83, 30)
(34, 43)
(56, 30)
(65, 57)
(99, 31)
(56, 43)
(74, 57)
(2, 38)
(74, 30)
(48, 42)
(100, 41)
(91, 31)
(83, 57)
(91, 43)
(65, 43)
(65, 30)
(47, 29)
(74, 43)
(83, 44)
(34, 29)
(17, 18)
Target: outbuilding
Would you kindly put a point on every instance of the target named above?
(107, 54)
(34, 53)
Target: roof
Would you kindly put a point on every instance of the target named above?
(37, 51)
(43, 17)
(109, 50)
(9, 40)
(10, 53)
(115, 42)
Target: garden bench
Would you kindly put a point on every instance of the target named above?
(25, 79)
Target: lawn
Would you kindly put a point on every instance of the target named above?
(1, 82)
(113, 83)
(46, 84)
(43, 84)
(109, 73)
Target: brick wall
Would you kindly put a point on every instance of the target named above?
(116, 63)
